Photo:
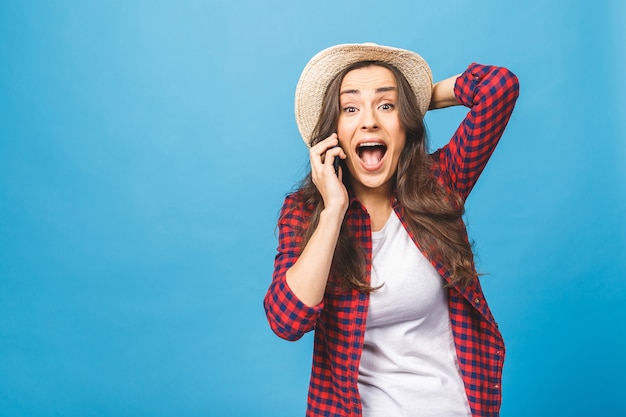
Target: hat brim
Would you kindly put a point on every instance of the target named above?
(324, 67)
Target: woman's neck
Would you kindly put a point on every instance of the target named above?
(377, 202)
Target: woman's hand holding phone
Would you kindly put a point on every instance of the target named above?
(327, 173)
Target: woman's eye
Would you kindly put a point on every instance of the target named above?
(387, 106)
(349, 109)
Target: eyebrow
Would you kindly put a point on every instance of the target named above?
(378, 90)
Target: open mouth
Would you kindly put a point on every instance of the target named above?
(371, 153)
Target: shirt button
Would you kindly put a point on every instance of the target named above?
(498, 352)
(496, 386)
(477, 301)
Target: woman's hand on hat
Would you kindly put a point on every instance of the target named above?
(329, 183)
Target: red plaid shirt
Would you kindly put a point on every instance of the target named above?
(339, 321)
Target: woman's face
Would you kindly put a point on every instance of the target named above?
(369, 127)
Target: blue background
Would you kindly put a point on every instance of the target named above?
(146, 147)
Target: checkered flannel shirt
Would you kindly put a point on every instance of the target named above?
(339, 320)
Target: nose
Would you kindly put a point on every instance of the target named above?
(369, 121)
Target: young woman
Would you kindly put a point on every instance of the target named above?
(373, 254)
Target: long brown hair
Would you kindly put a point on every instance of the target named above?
(432, 212)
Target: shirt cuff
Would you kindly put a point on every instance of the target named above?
(466, 85)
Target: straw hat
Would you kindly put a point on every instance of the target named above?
(323, 67)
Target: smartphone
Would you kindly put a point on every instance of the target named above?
(336, 162)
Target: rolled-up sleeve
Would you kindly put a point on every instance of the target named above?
(287, 315)
(490, 93)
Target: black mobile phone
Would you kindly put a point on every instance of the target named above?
(336, 162)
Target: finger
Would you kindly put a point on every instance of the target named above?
(323, 167)
(330, 155)
(342, 154)
(325, 144)
(319, 152)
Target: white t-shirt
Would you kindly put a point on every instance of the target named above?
(408, 365)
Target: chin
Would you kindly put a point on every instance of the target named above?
(374, 182)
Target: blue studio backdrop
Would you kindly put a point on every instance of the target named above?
(146, 147)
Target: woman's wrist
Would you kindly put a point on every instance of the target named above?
(443, 94)
(332, 215)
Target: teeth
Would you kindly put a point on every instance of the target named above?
(362, 145)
